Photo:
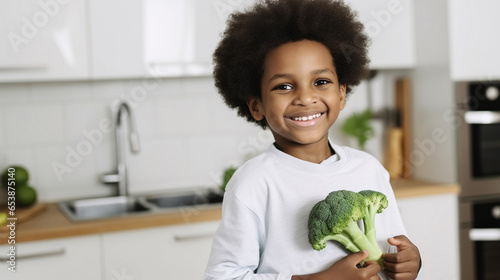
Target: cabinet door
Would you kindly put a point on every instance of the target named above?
(176, 252)
(75, 258)
(432, 225)
(43, 40)
(390, 25)
(474, 44)
(117, 38)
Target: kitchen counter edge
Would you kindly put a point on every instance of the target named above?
(52, 223)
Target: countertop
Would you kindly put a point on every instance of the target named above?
(52, 223)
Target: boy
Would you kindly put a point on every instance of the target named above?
(288, 65)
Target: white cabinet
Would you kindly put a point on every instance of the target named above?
(155, 37)
(76, 258)
(181, 35)
(390, 25)
(175, 252)
(432, 224)
(117, 39)
(474, 46)
(43, 40)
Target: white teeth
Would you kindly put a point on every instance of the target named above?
(307, 118)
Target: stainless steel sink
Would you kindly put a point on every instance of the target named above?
(119, 206)
(178, 200)
(106, 207)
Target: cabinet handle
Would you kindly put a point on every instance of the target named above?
(484, 234)
(482, 117)
(55, 252)
(193, 236)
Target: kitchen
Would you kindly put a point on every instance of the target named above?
(71, 63)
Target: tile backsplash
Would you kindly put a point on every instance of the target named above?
(63, 133)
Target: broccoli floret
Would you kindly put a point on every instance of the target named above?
(376, 203)
(336, 217)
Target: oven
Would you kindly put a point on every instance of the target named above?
(478, 143)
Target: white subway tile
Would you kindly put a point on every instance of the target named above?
(158, 165)
(209, 156)
(200, 86)
(225, 119)
(166, 87)
(107, 92)
(83, 119)
(66, 166)
(13, 93)
(105, 155)
(3, 128)
(178, 116)
(60, 91)
(147, 124)
(33, 125)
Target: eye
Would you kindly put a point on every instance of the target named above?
(283, 87)
(321, 82)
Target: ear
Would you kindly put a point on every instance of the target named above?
(342, 96)
(255, 107)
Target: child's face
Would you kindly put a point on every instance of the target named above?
(300, 94)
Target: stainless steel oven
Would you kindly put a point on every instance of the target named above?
(478, 142)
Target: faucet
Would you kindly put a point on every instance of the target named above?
(120, 177)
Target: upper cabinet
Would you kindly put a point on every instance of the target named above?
(43, 40)
(117, 39)
(390, 26)
(474, 47)
(156, 37)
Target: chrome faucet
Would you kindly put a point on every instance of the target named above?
(120, 177)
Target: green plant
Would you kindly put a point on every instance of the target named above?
(228, 173)
(336, 217)
(358, 126)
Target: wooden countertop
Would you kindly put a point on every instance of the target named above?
(52, 223)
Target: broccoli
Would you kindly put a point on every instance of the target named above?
(376, 203)
(336, 218)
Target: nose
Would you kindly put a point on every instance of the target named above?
(304, 96)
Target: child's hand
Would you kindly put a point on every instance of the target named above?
(346, 269)
(405, 264)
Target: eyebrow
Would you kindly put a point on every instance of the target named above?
(315, 72)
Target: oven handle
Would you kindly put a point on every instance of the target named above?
(482, 117)
(484, 234)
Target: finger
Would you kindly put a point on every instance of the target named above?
(398, 267)
(400, 241)
(400, 276)
(400, 257)
(357, 257)
(370, 269)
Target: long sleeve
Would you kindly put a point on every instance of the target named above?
(237, 245)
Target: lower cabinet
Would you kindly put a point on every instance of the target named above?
(432, 224)
(76, 258)
(174, 252)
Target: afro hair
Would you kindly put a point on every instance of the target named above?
(251, 34)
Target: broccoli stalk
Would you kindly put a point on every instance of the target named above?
(336, 218)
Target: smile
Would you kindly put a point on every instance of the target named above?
(307, 118)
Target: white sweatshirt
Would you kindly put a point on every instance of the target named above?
(263, 233)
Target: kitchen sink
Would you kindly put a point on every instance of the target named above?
(180, 200)
(105, 207)
(120, 206)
